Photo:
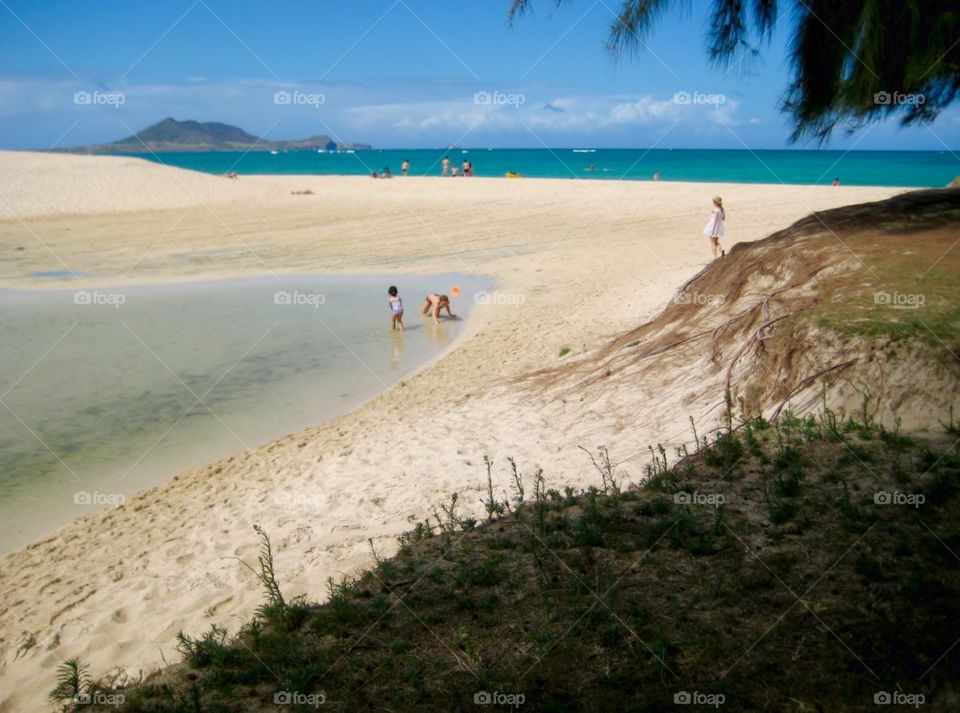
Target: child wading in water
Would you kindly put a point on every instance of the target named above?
(396, 307)
(714, 229)
(434, 302)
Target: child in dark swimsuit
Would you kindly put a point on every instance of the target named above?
(396, 308)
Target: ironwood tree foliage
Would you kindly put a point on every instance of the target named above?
(853, 61)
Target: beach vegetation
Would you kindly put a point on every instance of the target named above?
(73, 680)
(276, 608)
(817, 569)
(910, 298)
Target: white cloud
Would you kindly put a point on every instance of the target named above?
(645, 110)
(725, 114)
(20, 98)
(586, 113)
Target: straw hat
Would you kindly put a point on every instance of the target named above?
(718, 200)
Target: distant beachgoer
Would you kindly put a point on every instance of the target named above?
(836, 181)
(454, 171)
(433, 303)
(374, 174)
(467, 168)
(591, 167)
(387, 173)
(396, 308)
(656, 175)
(445, 165)
(714, 229)
(405, 167)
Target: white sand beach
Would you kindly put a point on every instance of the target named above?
(575, 263)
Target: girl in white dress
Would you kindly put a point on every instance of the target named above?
(714, 229)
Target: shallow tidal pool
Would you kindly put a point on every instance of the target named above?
(104, 392)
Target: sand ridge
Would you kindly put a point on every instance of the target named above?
(576, 262)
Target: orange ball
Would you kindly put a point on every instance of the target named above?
(455, 290)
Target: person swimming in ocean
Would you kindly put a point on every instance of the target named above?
(396, 308)
(435, 302)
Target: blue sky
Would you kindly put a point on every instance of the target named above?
(393, 73)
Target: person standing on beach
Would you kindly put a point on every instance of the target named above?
(405, 167)
(396, 308)
(435, 302)
(467, 169)
(445, 166)
(714, 229)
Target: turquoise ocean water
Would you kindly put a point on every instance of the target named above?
(863, 168)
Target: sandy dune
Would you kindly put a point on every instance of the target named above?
(65, 184)
(576, 262)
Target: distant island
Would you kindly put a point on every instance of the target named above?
(172, 135)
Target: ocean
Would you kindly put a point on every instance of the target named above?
(859, 168)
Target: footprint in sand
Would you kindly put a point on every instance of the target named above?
(212, 610)
(24, 643)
